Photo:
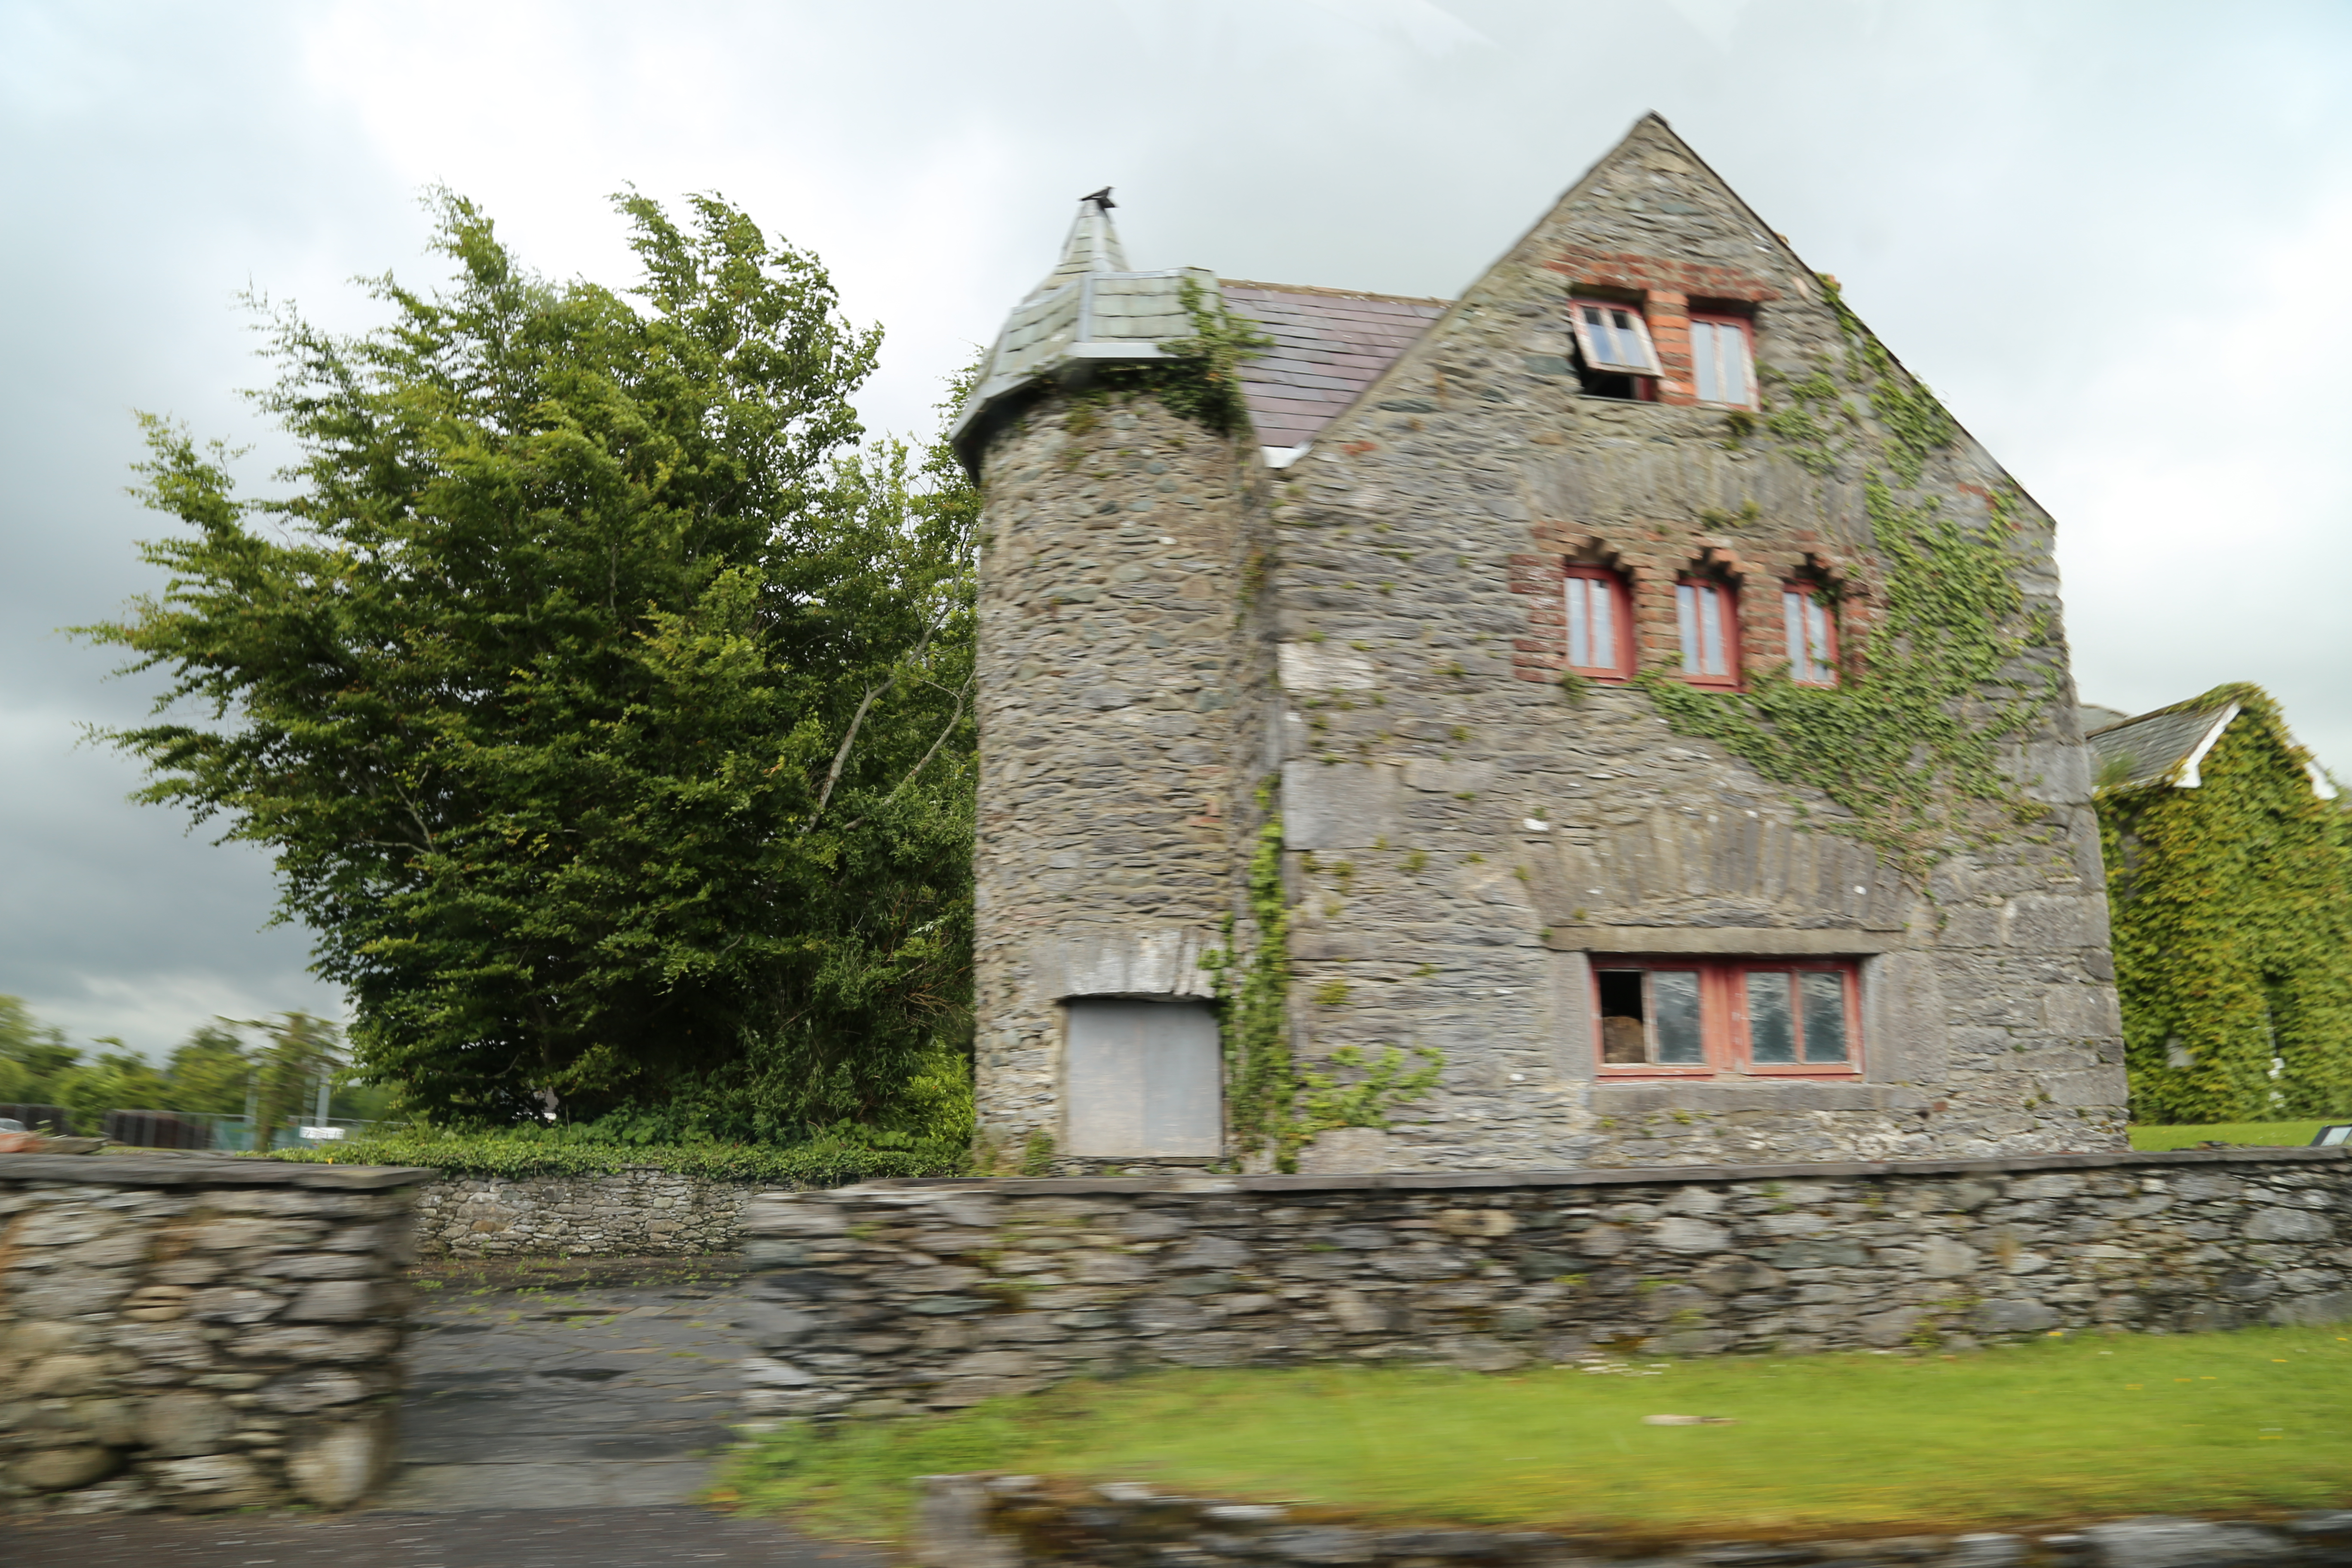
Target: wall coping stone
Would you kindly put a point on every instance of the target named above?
(168, 1170)
(1614, 1176)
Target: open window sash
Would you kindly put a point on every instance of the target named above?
(1613, 337)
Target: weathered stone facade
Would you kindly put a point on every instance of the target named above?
(1372, 623)
(896, 1295)
(637, 1213)
(198, 1334)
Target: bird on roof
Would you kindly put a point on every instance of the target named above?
(1101, 198)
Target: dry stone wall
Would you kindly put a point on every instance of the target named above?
(893, 1295)
(198, 1334)
(637, 1213)
(1023, 1522)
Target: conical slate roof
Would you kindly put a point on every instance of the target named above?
(1090, 309)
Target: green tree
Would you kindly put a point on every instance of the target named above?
(34, 1057)
(210, 1070)
(606, 713)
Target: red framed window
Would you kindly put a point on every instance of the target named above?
(1722, 369)
(1811, 623)
(1707, 614)
(1613, 337)
(1697, 1017)
(1600, 624)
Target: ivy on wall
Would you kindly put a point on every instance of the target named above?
(2233, 915)
(1272, 1107)
(1909, 742)
(1200, 379)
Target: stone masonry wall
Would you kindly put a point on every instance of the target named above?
(197, 1334)
(640, 1212)
(883, 1298)
(1467, 838)
(1111, 568)
(982, 1520)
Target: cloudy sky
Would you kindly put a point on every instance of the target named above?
(2113, 236)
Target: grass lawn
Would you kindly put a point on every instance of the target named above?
(2052, 1430)
(2257, 1133)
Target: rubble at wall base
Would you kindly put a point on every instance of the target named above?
(902, 1296)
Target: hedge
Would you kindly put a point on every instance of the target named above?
(808, 1166)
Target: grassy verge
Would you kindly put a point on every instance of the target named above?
(2057, 1430)
(2260, 1134)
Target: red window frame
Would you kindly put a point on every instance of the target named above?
(1609, 588)
(1726, 1029)
(1746, 331)
(1693, 597)
(1805, 608)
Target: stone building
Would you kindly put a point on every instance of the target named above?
(1661, 705)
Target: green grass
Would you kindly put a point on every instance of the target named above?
(2057, 1430)
(2259, 1134)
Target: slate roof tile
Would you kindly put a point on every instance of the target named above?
(1329, 345)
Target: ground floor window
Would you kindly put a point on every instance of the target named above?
(1694, 1017)
(1141, 1079)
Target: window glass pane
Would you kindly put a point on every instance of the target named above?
(1674, 997)
(1602, 595)
(1793, 622)
(1710, 630)
(1624, 1037)
(1817, 639)
(1825, 1017)
(1707, 361)
(1687, 612)
(1771, 1028)
(1732, 352)
(1580, 629)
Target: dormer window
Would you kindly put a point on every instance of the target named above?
(1599, 631)
(1613, 338)
(1813, 634)
(1707, 616)
(1722, 371)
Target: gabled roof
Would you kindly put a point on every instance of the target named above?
(2162, 747)
(2166, 747)
(1329, 345)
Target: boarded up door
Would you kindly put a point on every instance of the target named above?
(1142, 1079)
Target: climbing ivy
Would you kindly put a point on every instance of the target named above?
(1274, 1107)
(1200, 378)
(2233, 915)
(1909, 742)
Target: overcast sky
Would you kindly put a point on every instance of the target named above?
(2114, 236)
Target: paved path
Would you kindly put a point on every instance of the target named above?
(557, 1416)
(552, 1391)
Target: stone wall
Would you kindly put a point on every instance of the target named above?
(637, 1213)
(896, 1295)
(1021, 1522)
(198, 1333)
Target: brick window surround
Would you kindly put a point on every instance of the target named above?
(1706, 1017)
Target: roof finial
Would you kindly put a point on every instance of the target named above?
(1101, 198)
(1092, 247)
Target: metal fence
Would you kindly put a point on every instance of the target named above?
(228, 1135)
